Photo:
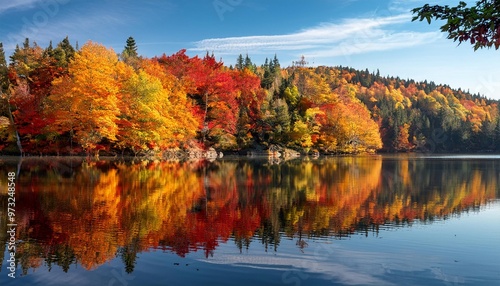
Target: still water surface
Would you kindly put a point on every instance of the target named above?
(367, 220)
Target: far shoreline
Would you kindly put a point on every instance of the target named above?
(232, 156)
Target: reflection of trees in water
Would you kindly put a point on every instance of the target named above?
(428, 189)
(90, 212)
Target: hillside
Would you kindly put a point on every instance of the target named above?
(410, 116)
(91, 100)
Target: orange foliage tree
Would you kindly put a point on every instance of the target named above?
(85, 102)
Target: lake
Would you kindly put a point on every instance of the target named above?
(353, 220)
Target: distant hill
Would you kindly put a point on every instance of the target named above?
(410, 115)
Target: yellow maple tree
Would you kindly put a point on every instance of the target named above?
(85, 103)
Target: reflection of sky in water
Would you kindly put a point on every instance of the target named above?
(457, 251)
(461, 250)
(453, 156)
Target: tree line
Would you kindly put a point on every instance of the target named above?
(67, 100)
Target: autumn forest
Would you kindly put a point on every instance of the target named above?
(63, 100)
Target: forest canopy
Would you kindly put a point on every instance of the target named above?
(92, 100)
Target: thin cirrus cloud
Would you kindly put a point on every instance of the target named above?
(383, 42)
(351, 36)
(17, 4)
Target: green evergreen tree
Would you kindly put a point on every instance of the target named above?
(49, 51)
(67, 47)
(64, 52)
(267, 77)
(3, 70)
(248, 64)
(26, 44)
(12, 57)
(275, 65)
(24, 59)
(240, 62)
(130, 50)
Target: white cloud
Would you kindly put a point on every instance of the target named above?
(341, 265)
(351, 36)
(296, 268)
(17, 4)
(379, 42)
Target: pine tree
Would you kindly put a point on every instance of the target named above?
(67, 47)
(275, 65)
(49, 51)
(267, 77)
(239, 62)
(130, 50)
(248, 63)
(64, 52)
(17, 51)
(3, 70)
(26, 59)
(129, 54)
(26, 44)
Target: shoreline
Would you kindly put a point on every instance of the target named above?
(234, 155)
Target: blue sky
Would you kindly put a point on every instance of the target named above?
(356, 33)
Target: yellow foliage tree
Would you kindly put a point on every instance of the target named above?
(180, 108)
(85, 103)
(142, 124)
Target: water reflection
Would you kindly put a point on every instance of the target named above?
(71, 211)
